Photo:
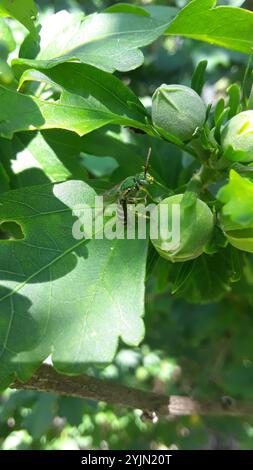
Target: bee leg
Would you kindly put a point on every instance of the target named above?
(147, 194)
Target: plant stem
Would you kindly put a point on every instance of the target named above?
(46, 379)
(200, 179)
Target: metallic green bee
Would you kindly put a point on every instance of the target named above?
(133, 190)
(132, 186)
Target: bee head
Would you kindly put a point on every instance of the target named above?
(145, 179)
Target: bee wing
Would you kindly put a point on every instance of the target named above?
(111, 195)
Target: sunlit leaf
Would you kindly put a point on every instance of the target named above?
(226, 26)
(24, 11)
(72, 298)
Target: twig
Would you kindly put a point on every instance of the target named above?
(46, 379)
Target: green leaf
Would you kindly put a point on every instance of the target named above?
(198, 78)
(126, 8)
(206, 279)
(183, 274)
(90, 99)
(24, 11)
(7, 41)
(99, 167)
(7, 77)
(53, 154)
(234, 93)
(109, 41)
(118, 145)
(70, 298)
(221, 118)
(39, 420)
(225, 26)
(237, 197)
(53, 162)
(130, 151)
(4, 179)
(219, 110)
(160, 12)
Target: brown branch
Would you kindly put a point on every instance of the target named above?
(46, 379)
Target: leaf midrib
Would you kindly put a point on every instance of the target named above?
(55, 260)
(110, 115)
(99, 85)
(106, 36)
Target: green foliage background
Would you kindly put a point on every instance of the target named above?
(198, 342)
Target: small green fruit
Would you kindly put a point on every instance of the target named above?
(178, 110)
(237, 137)
(196, 228)
(238, 236)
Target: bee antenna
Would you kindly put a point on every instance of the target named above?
(147, 161)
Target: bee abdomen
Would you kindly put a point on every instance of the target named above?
(122, 212)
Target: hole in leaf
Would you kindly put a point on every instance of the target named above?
(11, 231)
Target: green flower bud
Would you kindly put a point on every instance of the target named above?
(178, 110)
(238, 236)
(237, 137)
(196, 228)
